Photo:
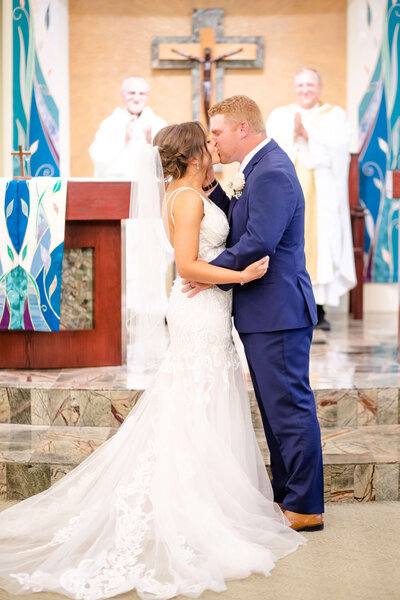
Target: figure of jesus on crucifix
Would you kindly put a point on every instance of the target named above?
(206, 61)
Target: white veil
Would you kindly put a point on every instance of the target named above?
(148, 258)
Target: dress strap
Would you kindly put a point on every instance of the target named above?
(174, 195)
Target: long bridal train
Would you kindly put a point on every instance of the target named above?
(178, 500)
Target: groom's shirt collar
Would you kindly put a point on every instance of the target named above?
(252, 153)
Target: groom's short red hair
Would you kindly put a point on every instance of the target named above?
(238, 109)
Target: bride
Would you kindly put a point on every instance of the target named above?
(178, 500)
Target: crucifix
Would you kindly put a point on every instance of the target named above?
(207, 62)
(21, 153)
(207, 53)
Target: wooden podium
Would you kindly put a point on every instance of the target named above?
(93, 220)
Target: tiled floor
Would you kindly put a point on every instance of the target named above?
(354, 354)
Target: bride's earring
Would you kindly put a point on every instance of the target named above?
(197, 165)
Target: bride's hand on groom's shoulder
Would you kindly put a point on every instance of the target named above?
(191, 288)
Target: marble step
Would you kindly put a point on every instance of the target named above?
(360, 464)
(347, 407)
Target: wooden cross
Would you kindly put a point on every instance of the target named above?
(207, 53)
(21, 153)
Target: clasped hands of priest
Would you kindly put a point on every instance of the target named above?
(134, 131)
(299, 130)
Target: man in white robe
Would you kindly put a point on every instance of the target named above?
(117, 150)
(121, 136)
(316, 136)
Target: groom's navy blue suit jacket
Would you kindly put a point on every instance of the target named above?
(268, 219)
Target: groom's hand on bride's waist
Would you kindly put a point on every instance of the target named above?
(191, 288)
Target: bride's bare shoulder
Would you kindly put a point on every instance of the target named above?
(184, 196)
(184, 192)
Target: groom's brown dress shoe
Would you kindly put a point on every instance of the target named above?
(301, 522)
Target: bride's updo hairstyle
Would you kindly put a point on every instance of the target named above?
(177, 144)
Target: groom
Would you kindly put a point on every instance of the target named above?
(274, 315)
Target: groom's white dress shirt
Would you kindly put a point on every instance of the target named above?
(252, 153)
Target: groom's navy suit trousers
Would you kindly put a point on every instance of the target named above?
(274, 316)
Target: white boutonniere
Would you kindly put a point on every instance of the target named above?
(236, 184)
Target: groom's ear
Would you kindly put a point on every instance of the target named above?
(244, 128)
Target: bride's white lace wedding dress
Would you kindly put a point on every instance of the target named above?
(178, 500)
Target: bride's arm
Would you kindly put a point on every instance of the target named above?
(188, 214)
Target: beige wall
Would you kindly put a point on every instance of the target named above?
(111, 40)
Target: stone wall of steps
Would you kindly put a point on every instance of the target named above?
(44, 433)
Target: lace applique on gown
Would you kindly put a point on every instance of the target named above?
(178, 500)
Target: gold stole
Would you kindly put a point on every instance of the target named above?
(307, 182)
